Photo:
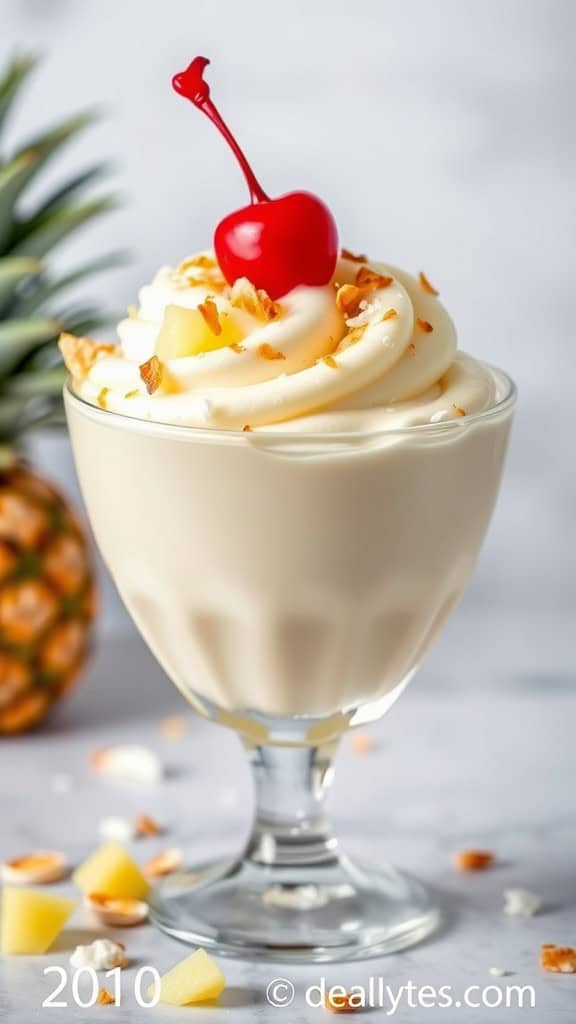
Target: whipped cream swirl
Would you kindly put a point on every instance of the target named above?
(337, 358)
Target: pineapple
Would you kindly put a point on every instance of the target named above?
(46, 578)
(47, 598)
(196, 979)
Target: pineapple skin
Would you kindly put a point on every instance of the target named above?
(47, 598)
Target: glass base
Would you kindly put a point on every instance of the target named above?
(334, 910)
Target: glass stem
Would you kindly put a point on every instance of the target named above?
(291, 827)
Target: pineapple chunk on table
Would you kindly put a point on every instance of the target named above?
(196, 979)
(31, 920)
(111, 871)
(185, 332)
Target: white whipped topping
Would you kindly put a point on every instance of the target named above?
(388, 372)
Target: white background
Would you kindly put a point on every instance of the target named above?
(441, 134)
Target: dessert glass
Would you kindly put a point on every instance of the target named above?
(290, 584)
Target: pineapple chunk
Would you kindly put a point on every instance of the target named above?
(112, 872)
(196, 979)
(185, 332)
(31, 920)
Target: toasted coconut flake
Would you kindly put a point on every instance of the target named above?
(362, 743)
(331, 362)
(424, 325)
(211, 282)
(558, 959)
(174, 727)
(237, 347)
(97, 758)
(147, 826)
(425, 284)
(390, 314)
(345, 254)
(104, 998)
(411, 349)
(151, 373)
(165, 863)
(459, 410)
(253, 300)
(80, 354)
(202, 271)
(267, 351)
(201, 260)
(473, 860)
(102, 396)
(368, 278)
(209, 312)
(38, 868)
(132, 394)
(246, 429)
(348, 299)
(116, 913)
(355, 335)
(341, 1002)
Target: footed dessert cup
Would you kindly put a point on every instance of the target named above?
(290, 584)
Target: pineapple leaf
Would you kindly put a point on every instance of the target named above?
(10, 411)
(46, 356)
(70, 188)
(41, 292)
(53, 418)
(57, 226)
(46, 383)
(20, 337)
(85, 321)
(26, 164)
(13, 271)
(10, 83)
(19, 416)
(13, 178)
(31, 370)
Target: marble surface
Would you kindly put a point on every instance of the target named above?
(478, 752)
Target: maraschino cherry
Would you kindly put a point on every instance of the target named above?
(276, 243)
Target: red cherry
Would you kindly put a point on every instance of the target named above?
(277, 244)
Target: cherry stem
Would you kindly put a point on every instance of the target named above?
(191, 85)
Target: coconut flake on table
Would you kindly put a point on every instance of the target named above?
(37, 868)
(116, 912)
(521, 903)
(130, 763)
(115, 829)
(101, 955)
(164, 863)
(173, 727)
